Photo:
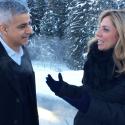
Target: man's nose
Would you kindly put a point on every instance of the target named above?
(29, 29)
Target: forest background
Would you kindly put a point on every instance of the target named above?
(62, 29)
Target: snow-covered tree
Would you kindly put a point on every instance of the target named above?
(72, 21)
(81, 25)
(37, 10)
(121, 4)
(54, 17)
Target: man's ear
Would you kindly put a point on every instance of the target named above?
(3, 29)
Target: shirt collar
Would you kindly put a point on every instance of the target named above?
(10, 51)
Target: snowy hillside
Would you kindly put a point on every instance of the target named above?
(52, 109)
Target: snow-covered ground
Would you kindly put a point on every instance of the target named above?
(52, 109)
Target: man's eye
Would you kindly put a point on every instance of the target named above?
(22, 26)
(30, 23)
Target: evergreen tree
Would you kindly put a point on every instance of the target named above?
(54, 17)
(121, 4)
(80, 25)
(105, 4)
(37, 8)
(73, 20)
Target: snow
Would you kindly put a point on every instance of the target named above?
(52, 109)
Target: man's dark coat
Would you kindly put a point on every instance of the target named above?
(17, 91)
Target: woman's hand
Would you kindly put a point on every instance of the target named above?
(54, 85)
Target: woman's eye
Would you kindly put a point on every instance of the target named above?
(106, 29)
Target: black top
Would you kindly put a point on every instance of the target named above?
(106, 90)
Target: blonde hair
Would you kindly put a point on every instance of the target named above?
(118, 20)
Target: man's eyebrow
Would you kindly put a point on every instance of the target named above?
(25, 23)
(22, 24)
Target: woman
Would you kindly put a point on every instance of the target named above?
(101, 98)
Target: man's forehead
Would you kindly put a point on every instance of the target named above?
(21, 18)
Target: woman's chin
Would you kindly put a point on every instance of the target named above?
(101, 48)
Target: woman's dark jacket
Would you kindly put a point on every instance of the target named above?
(17, 91)
(106, 90)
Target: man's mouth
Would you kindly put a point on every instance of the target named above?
(25, 37)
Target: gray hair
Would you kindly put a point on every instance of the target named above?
(10, 8)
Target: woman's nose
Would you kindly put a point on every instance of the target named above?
(98, 33)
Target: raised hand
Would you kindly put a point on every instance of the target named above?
(81, 102)
(54, 85)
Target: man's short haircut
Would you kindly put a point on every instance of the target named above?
(10, 8)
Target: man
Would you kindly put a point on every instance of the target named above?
(17, 81)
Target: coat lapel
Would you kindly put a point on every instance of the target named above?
(6, 66)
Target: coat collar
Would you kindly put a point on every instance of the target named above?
(99, 68)
(5, 66)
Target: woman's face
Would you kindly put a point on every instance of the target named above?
(106, 34)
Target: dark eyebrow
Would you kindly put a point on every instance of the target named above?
(24, 24)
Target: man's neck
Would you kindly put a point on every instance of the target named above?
(13, 47)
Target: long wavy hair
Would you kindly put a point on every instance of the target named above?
(118, 20)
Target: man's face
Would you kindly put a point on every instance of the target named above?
(17, 31)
